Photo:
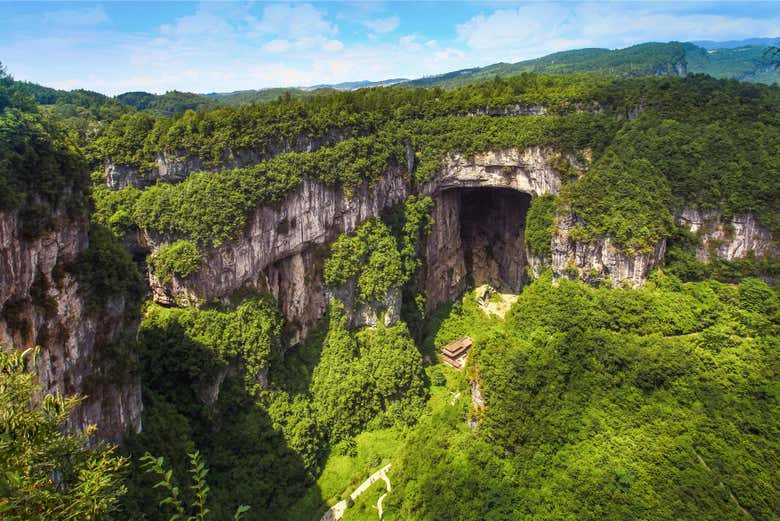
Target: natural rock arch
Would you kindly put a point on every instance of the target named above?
(480, 204)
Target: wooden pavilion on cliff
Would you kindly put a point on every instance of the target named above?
(454, 354)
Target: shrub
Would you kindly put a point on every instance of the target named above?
(539, 225)
(181, 258)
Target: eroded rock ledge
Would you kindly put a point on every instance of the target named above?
(727, 239)
(281, 249)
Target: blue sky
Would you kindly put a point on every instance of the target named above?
(114, 47)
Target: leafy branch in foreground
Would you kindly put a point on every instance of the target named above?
(174, 500)
(48, 472)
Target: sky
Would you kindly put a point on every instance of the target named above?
(115, 47)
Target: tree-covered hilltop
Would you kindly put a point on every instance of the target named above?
(655, 146)
(751, 63)
(168, 104)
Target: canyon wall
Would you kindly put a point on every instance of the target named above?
(477, 236)
(727, 239)
(174, 166)
(42, 304)
(282, 248)
(600, 259)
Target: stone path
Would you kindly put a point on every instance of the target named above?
(336, 512)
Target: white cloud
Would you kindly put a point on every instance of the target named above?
(333, 46)
(537, 29)
(448, 54)
(277, 46)
(383, 25)
(298, 21)
(76, 17)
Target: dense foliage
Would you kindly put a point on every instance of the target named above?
(215, 380)
(168, 104)
(372, 377)
(369, 255)
(113, 208)
(39, 169)
(181, 258)
(603, 404)
(49, 473)
(628, 202)
(540, 225)
(106, 271)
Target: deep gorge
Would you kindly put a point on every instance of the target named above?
(314, 267)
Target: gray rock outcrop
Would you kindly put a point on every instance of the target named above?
(599, 259)
(41, 304)
(727, 239)
(282, 248)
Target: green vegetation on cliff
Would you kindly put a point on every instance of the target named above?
(181, 258)
(540, 225)
(39, 169)
(687, 142)
(48, 471)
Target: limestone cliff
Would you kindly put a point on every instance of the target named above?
(41, 304)
(600, 259)
(477, 236)
(174, 166)
(727, 239)
(281, 248)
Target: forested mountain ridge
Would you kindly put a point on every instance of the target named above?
(306, 259)
(753, 62)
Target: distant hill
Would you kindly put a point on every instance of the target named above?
(749, 60)
(353, 85)
(168, 104)
(731, 44)
(240, 97)
(745, 63)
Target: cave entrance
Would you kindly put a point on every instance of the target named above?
(477, 238)
(492, 233)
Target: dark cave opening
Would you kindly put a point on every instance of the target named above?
(492, 224)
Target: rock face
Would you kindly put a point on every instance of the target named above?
(600, 259)
(479, 219)
(175, 166)
(41, 304)
(281, 248)
(477, 236)
(727, 239)
(528, 170)
(512, 110)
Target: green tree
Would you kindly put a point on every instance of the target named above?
(47, 471)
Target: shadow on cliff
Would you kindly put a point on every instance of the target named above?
(195, 401)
